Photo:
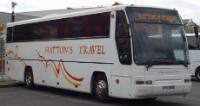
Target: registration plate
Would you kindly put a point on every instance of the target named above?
(170, 87)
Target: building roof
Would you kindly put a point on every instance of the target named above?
(52, 12)
(185, 21)
(189, 22)
(44, 13)
(72, 13)
(6, 17)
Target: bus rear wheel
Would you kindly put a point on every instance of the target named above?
(197, 74)
(28, 79)
(100, 88)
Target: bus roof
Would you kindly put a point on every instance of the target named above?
(77, 13)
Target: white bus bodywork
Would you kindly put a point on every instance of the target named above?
(72, 63)
(194, 52)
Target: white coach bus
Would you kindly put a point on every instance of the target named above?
(120, 51)
(194, 54)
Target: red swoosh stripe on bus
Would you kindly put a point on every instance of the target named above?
(58, 68)
(74, 78)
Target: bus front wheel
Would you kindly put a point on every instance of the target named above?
(28, 79)
(100, 88)
(197, 74)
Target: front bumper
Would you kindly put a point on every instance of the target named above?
(162, 88)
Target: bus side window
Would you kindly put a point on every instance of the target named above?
(9, 34)
(192, 43)
(123, 39)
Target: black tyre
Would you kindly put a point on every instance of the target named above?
(28, 79)
(100, 88)
(197, 74)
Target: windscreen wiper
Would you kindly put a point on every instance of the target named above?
(165, 61)
(159, 61)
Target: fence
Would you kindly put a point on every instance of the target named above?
(2, 54)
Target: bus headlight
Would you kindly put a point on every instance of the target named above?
(187, 80)
(148, 82)
(139, 82)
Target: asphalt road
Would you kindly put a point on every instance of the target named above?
(44, 96)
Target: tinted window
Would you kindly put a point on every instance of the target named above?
(193, 42)
(36, 31)
(123, 39)
(83, 26)
(9, 34)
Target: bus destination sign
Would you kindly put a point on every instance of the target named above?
(157, 17)
(153, 15)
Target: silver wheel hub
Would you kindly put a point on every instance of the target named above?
(28, 79)
(101, 87)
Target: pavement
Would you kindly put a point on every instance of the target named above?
(47, 96)
(7, 82)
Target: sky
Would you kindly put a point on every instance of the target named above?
(188, 9)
